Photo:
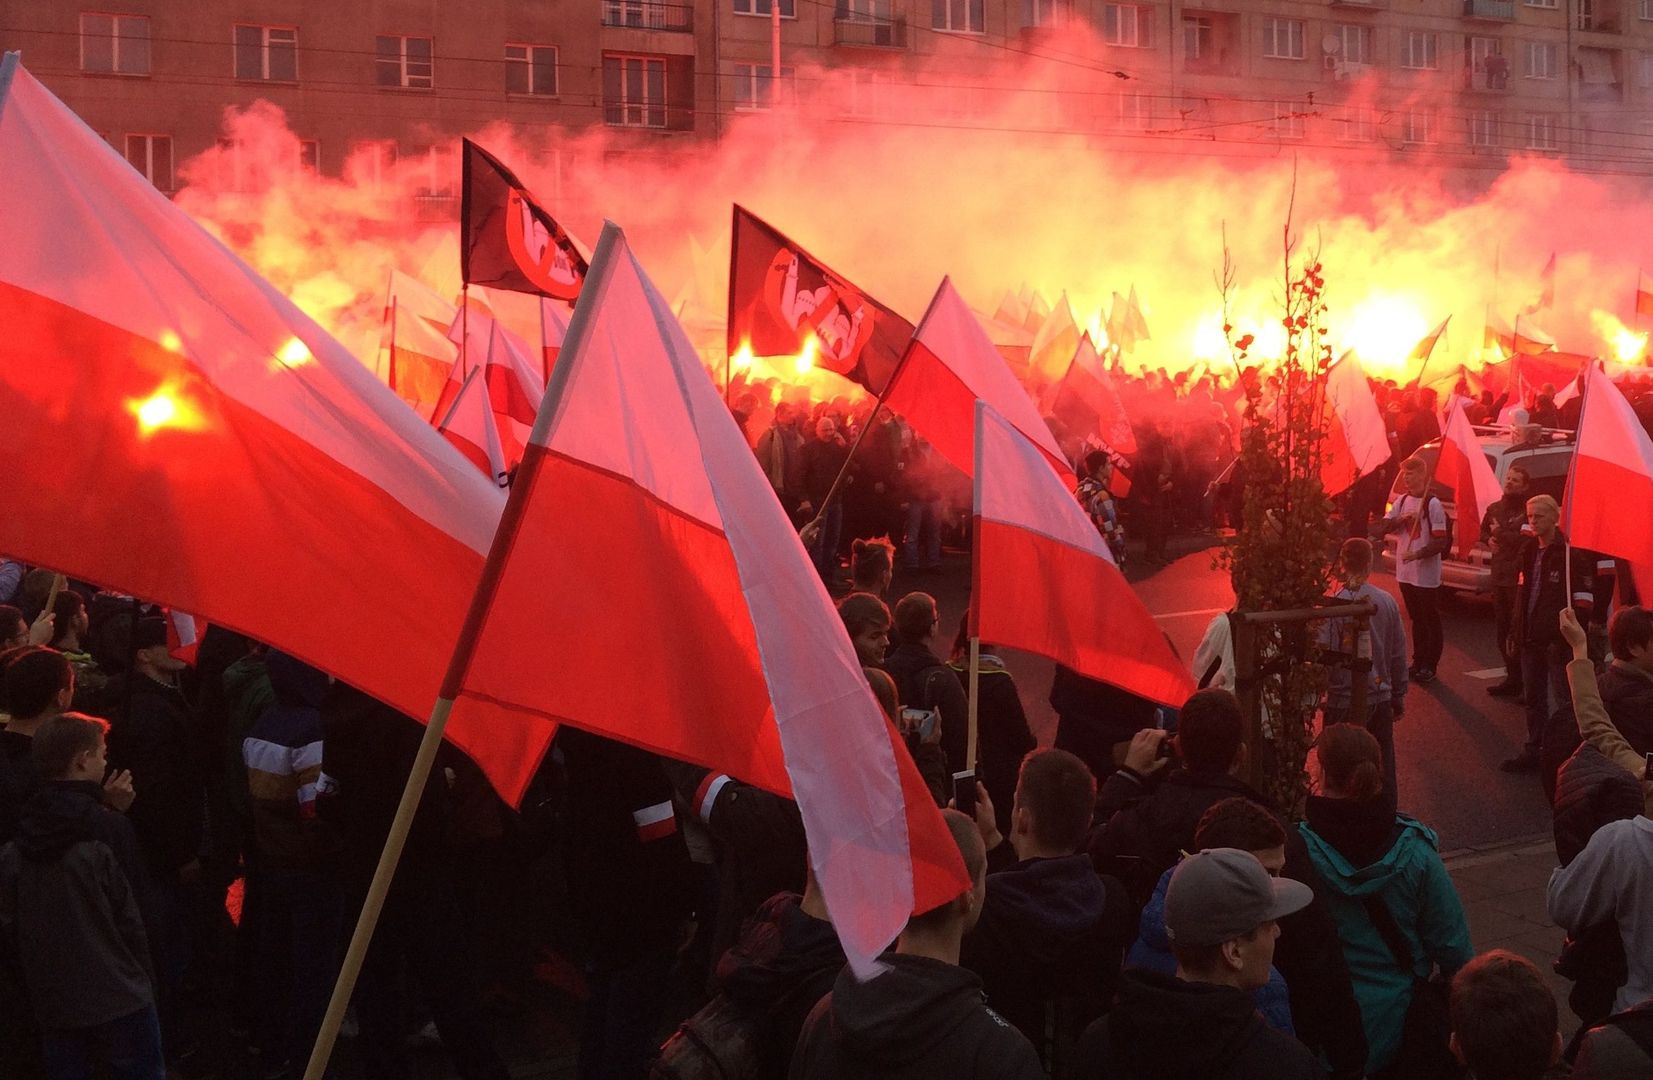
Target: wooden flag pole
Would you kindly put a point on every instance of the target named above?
(463, 653)
(975, 699)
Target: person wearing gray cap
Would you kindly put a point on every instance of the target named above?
(1221, 912)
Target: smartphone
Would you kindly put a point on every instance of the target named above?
(964, 792)
(919, 724)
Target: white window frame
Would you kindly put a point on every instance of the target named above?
(868, 93)
(752, 86)
(643, 108)
(1484, 127)
(1644, 70)
(381, 156)
(1419, 50)
(528, 60)
(1132, 112)
(1414, 122)
(760, 8)
(1644, 10)
(1356, 123)
(1542, 130)
(267, 42)
(1202, 26)
(147, 166)
(1289, 123)
(1293, 31)
(402, 64)
(117, 21)
(1551, 4)
(946, 9)
(1047, 13)
(1361, 36)
(1128, 26)
(1550, 68)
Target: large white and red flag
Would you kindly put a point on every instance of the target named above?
(950, 364)
(1045, 580)
(640, 516)
(1609, 500)
(1357, 442)
(415, 351)
(177, 429)
(511, 375)
(469, 426)
(1463, 467)
(1089, 403)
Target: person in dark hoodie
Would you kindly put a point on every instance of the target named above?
(72, 915)
(924, 1017)
(923, 680)
(300, 907)
(1222, 913)
(1627, 683)
(1051, 932)
(1002, 734)
(1149, 813)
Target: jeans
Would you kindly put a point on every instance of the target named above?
(825, 553)
(622, 1016)
(300, 935)
(1427, 642)
(127, 1049)
(1504, 599)
(1544, 675)
(923, 535)
(1380, 721)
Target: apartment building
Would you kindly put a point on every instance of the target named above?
(1451, 82)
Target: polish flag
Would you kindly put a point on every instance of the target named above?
(553, 328)
(1463, 467)
(949, 365)
(1356, 443)
(1530, 339)
(510, 374)
(183, 635)
(176, 428)
(413, 343)
(1053, 345)
(1644, 297)
(640, 516)
(1088, 397)
(1045, 580)
(1609, 499)
(469, 426)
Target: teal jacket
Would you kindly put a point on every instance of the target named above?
(1413, 882)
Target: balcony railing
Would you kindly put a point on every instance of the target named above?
(1361, 5)
(870, 33)
(1493, 79)
(646, 15)
(1490, 10)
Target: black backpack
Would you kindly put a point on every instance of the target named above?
(720, 1042)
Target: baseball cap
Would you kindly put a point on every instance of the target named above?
(1221, 894)
(150, 632)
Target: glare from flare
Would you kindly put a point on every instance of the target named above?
(294, 354)
(165, 408)
(1383, 330)
(806, 359)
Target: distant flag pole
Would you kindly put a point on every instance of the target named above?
(1426, 349)
(1644, 299)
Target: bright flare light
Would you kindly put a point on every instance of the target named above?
(1630, 346)
(165, 408)
(295, 353)
(806, 358)
(1383, 331)
(171, 342)
(742, 358)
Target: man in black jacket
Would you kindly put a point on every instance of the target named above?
(1092, 717)
(1501, 531)
(1222, 915)
(924, 1017)
(923, 680)
(1052, 932)
(1149, 815)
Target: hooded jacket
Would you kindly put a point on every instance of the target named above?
(1627, 694)
(1167, 1029)
(1049, 928)
(1152, 952)
(784, 963)
(922, 1019)
(155, 738)
(283, 752)
(924, 682)
(70, 908)
(1363, 850)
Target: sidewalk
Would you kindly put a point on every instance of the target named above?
(1502, 888)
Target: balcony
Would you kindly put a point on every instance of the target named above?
(869, 32)
(1490, 10)
(647, 15)
(1342, 70)
(1493, 79)
(1361, 5)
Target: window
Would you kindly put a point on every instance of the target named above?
(1356, 124)
(1541, 128)
(1543, 3)
(1199, 37)
(967, 16)
(405, 62)
(1046, 12)
(266, 53)
(868, 93)
(114, 44)
(754, 89)
(634, 91)
(1417, 50)
(531, 70)
(372, 162)
(1543, 60)
(309, 155)
(1418, 126)
(1644, 9)
(1288, 120)
(1127, 25)
(1354, 43)
(1644, 70)
(789, 9)
(1483, 128)
(436, 172)
(1131, 112)
(1283, 39)
(152, 156)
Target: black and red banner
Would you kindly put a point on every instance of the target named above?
(507, 240)
(780, 296)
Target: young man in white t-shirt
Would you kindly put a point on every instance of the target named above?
(1418, 523)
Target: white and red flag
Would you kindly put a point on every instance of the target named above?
(1357, 442)
(1089, 403)
(183, 635)
(1609, 500)
(1529, 338)
(1053, 345)
(470, 427)
(175, 428)
(417, 354)
(553, 328)
(1644, 296)
(1463, 467)
(1045, 580)
(511, 375)
(949, 365)
(643, 548)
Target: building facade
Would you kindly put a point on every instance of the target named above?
(1460, 83)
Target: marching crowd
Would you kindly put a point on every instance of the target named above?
(186, 835)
